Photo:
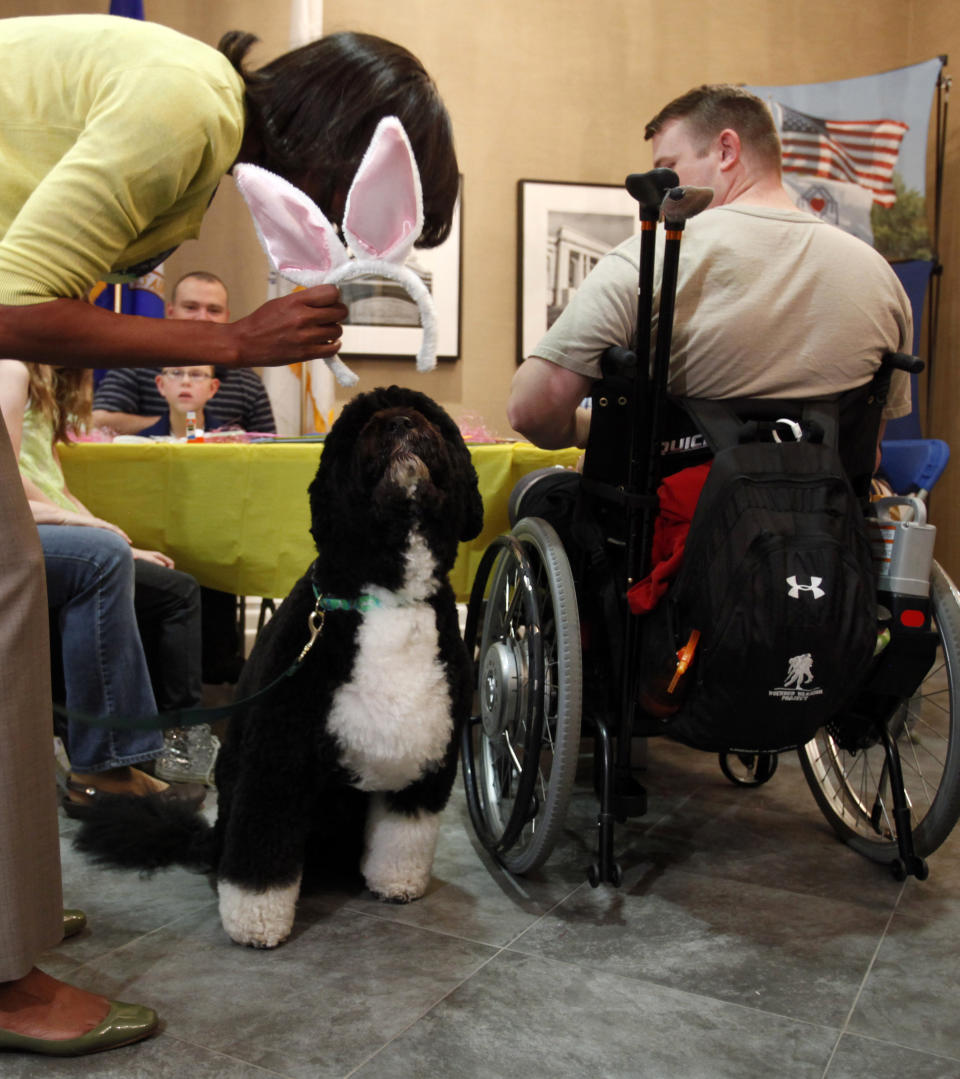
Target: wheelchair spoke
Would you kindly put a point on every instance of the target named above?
(878, 811)
(928, 777)
(512, 597)
(501, 771)
(853, 789)
(512, 752)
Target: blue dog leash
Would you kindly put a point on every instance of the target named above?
(193, 717)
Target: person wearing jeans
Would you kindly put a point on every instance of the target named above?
(89, 574)
(40, 402)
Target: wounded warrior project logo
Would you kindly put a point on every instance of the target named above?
(799, 681)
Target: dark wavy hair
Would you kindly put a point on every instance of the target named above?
(312, 112)
(710, 109)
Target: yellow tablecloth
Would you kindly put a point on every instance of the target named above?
(236, 516)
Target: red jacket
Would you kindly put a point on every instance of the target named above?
(678, 496)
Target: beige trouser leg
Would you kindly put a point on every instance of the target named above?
(31, 902)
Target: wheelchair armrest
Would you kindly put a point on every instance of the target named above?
(903, 361)
(617, 362)
(613, 399)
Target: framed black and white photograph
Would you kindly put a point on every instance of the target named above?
(384, 320)
(564, 231)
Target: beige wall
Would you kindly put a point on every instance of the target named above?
(560, 90)
(935, 29)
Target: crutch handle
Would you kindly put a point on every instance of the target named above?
(681, 203)
(648, 188)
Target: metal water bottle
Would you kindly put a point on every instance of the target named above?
(902, 555)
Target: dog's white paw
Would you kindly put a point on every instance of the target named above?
(399, 853)
(399, 891)
(260, 919)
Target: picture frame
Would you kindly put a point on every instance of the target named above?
(563, 228)
(384, 322)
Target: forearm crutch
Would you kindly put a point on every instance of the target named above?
(649, 189)
(678, 206)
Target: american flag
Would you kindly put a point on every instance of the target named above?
(860, 152)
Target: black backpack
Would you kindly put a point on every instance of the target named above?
(777, 578)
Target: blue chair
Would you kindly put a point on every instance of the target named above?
(913, 465)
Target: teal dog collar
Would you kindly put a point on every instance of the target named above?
(333, 603)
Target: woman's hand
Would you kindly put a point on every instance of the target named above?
(157, 557)
(302, 326)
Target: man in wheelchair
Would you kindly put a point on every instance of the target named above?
(771, 303)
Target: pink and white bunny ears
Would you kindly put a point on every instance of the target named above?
(381, 222)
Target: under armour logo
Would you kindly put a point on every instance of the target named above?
(813, 586)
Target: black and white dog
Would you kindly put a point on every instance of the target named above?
(354, 754)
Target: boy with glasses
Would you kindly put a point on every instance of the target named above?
(186, 390)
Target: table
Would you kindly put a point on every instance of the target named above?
(236, 515)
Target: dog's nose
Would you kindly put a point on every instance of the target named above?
(398, 424)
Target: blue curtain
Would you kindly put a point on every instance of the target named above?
(915, 277)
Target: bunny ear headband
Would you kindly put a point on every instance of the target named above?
(381, 221)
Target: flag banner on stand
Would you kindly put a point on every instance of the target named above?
(860, 152)
(284, 385)
(318, 398)
(848, 205)
(144, 296)
(855, 152)
(302, 396)
(306, 21)
(130, 9)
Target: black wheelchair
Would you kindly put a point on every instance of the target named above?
(556, 652)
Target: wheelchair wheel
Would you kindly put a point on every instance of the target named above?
(748, 769)
(853, 789)
(520, 750)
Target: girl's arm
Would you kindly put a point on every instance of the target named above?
(14, 397)
(14, 394)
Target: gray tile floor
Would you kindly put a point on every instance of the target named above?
(745, 941)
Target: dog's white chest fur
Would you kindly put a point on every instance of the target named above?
(393, 718)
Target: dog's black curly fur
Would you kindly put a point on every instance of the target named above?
(394, 494)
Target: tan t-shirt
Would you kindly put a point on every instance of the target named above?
(770, 303)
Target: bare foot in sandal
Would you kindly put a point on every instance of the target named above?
(117, 781)
(85, 790)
